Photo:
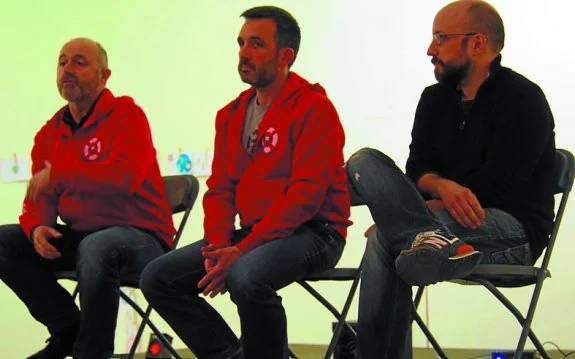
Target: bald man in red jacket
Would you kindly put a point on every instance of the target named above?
(94, 166)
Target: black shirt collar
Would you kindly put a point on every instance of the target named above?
(69, 120)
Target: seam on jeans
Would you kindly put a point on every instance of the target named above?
(392, 317)
(496, 236)
(505, 254)
(321, 251)
(171, 282)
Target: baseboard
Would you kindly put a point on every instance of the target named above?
(309, 351)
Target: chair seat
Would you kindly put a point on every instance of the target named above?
(343, 274)
(503, 275)
(72, 275)
(66, 274)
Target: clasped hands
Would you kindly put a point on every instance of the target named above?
(218, 259)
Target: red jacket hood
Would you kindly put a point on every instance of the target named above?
(293, 88)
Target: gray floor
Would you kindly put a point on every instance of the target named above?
(317, 352)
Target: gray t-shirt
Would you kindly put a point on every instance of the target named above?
(254, 115)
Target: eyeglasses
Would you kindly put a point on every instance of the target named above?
(441, 38)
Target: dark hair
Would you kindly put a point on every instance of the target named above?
(485, 19)
(288, 33)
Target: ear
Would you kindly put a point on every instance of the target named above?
(106, 73)
(479, 44)
(287, 54)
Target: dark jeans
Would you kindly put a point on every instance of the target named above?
(400, 213)
(170, 285)
(101, 259)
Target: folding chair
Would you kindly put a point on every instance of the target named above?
(492, 276)
(336, 274)
(181, 192)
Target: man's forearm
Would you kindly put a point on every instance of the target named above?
(430, 183)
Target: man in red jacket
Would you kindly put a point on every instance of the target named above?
(94, 166)
(278, 163)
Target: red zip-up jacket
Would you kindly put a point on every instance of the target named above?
(294, 175)
(105, 174)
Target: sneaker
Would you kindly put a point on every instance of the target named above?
(59, 345)
(434, 257)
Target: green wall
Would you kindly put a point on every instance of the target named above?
(178, 60)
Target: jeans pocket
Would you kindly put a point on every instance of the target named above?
(519, 255)
(330, 246)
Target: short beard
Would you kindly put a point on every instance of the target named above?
(453, 75)
(78, 95)
(264, 79)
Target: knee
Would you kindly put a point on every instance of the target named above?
(14, 244)
(151, 281)
(10, 233)
(243, 285)
(94, 255)
(365, 155)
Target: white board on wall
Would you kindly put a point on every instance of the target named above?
(15, 169)
(197, 163)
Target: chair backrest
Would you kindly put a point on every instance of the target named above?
(563, 182)
(182, 192)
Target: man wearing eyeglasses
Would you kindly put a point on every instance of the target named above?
(477, 185)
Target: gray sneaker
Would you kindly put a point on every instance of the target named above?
(435, 256)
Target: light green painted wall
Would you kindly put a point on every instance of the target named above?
(178, 60)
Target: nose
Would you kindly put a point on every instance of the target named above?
(432, 49)
(68, 67)
(243, 51)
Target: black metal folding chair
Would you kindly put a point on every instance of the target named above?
(181, 191)
(492, 276)
(336, 274)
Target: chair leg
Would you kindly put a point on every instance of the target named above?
(529, 319)
(75, 292)
(526, 325)
(138, 336)
(418, 296)
(292, 354)
(339, 316)
(152, 326)
(341, 322)
(428, 334)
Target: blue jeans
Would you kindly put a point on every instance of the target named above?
(170, 285)
(400, 213)
(101, 259)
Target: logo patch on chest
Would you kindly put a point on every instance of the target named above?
(93, 149)
(270, 140)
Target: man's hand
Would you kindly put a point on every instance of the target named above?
(209, 263)
(39, 183)
(41, 236)
(461, 204)
(214, 281)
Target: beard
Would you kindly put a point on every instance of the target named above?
(75, 91)
(261, 76)
(452, 74)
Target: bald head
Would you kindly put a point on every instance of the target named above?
(82, 71)
(480, 17)
(91, 46)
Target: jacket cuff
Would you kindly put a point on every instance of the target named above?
(218, 238)
(249, 243)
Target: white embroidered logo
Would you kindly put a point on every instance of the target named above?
(93, 149)
(270, 140)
